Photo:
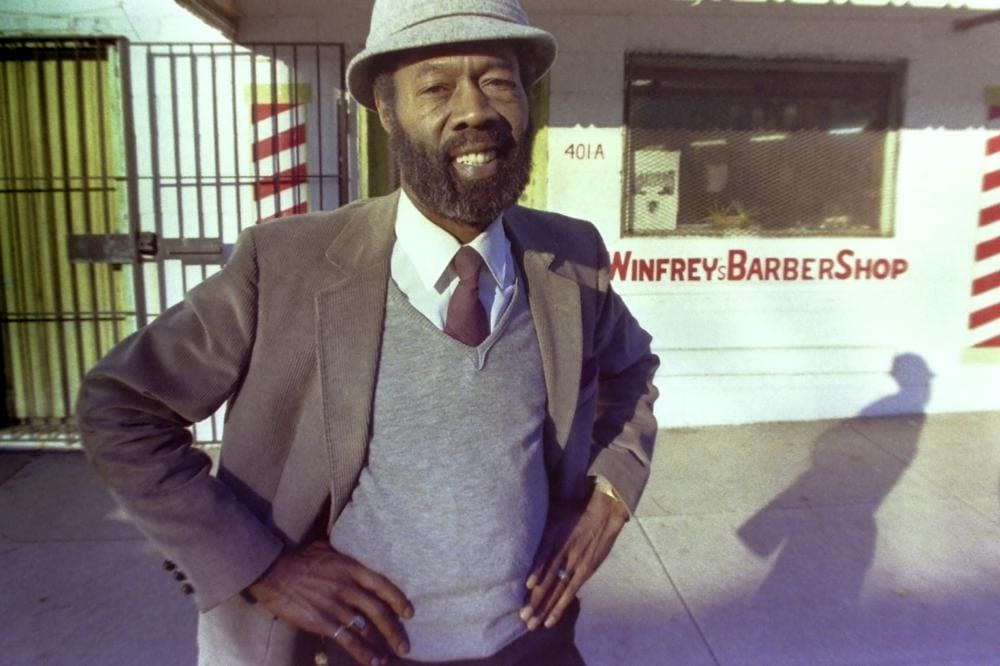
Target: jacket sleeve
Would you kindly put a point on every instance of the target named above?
(135, 410)
(624, 425)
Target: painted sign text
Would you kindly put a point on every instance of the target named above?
(585, 151)
(741, 266)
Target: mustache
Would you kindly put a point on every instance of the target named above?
(498, 135)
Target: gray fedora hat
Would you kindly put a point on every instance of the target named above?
(405, 25)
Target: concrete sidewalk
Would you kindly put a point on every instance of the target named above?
(867, 541)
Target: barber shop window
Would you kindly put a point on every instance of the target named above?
(728, 146)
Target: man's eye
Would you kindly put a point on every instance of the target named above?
(434, 89)
(500, 84)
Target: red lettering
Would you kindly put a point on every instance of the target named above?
(843, 257)
(692, 274)
(881, 268)
(677, 270)
(646, 268)
(710, 267)
(807, 266)
(619, 264)
(791, 269)
(737, 265)
(899, 267)
(826, 269)
(771, 265)
(661, 268)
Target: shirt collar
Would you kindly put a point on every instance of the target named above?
(430, 248)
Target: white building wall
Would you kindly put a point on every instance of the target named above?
(752, 351)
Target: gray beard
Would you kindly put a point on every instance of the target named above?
(433, 182)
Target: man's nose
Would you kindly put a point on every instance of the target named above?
(471, 107)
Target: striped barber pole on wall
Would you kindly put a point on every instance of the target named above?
(280, 149)
(984, 321)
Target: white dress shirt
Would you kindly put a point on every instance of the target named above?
(421, 264)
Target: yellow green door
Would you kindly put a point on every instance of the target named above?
(61, 175)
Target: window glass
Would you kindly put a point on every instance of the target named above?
(720, 146)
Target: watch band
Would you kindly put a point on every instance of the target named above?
(604, 486)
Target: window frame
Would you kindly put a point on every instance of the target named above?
(640, 62)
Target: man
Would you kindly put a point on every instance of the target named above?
(438, 383)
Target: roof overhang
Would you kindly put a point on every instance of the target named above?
(974, 21)
(225, 14)
(220, 14)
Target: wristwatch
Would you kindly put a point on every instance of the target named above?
(602, 485)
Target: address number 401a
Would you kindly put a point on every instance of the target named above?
(585, 151)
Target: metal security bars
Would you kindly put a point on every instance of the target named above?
(237, 134)
(126, 173)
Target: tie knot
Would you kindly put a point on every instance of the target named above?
(467, 263)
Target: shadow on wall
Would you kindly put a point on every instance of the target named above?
(825, 555)
(914, 378)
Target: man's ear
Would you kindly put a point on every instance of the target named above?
(384, 113)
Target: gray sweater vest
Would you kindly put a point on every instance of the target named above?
(453, 500)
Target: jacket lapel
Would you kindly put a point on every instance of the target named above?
(349, 318)
(554, 300)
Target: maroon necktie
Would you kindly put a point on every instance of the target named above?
(467, 320)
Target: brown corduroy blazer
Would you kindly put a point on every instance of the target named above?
(288, 333)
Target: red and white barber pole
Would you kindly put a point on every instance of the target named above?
(280, 150)
(984, 321)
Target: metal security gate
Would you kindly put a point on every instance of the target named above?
(126, 173)
(234, 135)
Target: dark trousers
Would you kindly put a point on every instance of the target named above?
(542, 647)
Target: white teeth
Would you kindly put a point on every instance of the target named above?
(476, 158)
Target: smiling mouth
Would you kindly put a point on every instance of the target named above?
(476, 159)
